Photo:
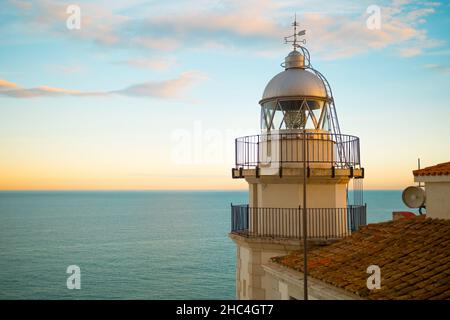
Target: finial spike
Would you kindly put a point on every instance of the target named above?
(295, 41)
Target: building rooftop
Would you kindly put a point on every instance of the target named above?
(437, 170)
(413, 255)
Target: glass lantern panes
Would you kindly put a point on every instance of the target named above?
(293, 114)
(267, 112)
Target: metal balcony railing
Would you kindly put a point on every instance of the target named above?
(322, 150)
(322, 223)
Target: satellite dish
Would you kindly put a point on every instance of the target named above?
(414, 197)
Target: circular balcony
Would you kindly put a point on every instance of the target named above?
(316, 150)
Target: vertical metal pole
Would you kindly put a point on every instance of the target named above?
(232, 218)
(236, 149)
(305, 229)
(418, 168)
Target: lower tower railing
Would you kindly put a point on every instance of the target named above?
(323, 223)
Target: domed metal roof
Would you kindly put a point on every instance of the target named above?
(294, 82)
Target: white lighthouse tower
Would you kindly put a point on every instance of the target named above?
(300, 151)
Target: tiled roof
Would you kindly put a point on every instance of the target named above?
(413, 255)
(437, 170)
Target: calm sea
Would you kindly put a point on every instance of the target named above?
(128, 245)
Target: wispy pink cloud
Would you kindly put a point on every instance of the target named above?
(10, 89)
(256, 25)
(166, 89)
(340, 36)
(99, 22)
(7, 85)
(173, 88)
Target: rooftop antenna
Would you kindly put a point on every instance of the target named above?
(293, 38)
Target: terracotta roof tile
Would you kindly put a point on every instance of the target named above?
(437, 170)
(413, 254)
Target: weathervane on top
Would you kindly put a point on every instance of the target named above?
(296, 34)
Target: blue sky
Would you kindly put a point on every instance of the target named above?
(104, 107)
